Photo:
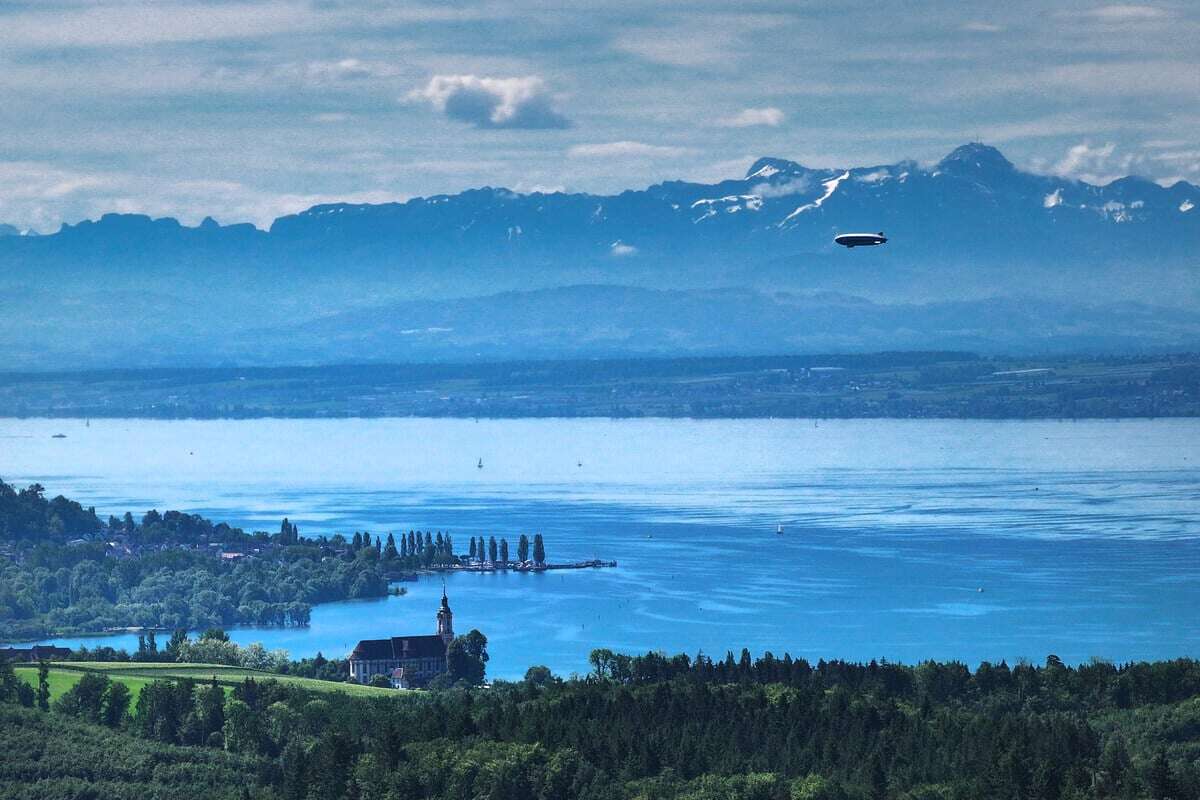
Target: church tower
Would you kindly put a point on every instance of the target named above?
(445, 620)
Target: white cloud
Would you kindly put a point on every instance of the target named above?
(874, 177)
(1097, 165)
(1125, 13)
(40, 196)
(345, 69)
(492, 102)
(797, 185)
(626, 149)
(1083, 156)
(620, 249)
(750, 117)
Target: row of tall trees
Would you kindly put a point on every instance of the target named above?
(498, 553)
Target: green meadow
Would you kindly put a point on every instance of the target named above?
(135, 675)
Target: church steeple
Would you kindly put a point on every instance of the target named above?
(445, 619)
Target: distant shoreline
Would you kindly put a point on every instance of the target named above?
(910, 385)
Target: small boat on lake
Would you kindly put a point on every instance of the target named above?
(59, 436)
(779, 529)
(480, 464)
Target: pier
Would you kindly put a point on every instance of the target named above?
(528, 566)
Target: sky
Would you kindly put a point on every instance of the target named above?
(247, 110)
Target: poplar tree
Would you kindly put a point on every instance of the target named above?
(523, 549)
(539, 549)
(492, 549)
(504, 551)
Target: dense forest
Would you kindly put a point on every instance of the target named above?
(636, 727)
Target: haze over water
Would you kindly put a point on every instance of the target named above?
(1084, 537)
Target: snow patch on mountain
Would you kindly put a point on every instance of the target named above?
(830, 185)
(730, 204)
(1116, 211)
(766, 172)
(1186, 206)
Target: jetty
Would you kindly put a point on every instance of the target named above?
(526, 566)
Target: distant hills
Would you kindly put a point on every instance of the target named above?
(981, 256)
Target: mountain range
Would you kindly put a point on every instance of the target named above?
(981, 255)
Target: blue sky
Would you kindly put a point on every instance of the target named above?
(246, 110)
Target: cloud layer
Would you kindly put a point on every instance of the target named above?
(157, 106)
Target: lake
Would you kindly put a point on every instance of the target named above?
(902, 539)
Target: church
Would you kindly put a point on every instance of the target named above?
(406, 661)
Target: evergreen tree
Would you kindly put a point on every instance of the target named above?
(403, 546)
(1114, 765)
(539, 549)
(389, 552)
(471, 553)
(43, 690)
(1161, 781)
(412, 544)
(366, 539)
(504, 551)
(357, 542)
(378, 546)
(492, 555)
(523, 549)
(428, 539)
(449, 546)
(116, 704)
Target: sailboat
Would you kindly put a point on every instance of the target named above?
(480, 464)
(779, 529)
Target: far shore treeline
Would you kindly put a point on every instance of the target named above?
(63, 570)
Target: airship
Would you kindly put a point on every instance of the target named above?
(860, 239)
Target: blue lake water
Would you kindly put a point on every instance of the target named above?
(1084, 537)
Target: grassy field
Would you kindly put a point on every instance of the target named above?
(65, 674)
(63, 679)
